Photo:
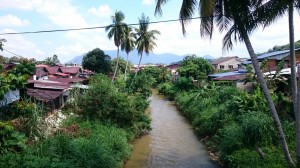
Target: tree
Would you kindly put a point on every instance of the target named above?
(195, 67)
(268, 13)
(51, 61)
(235, 17)
(128, 44)
(123, 64)
(97, 61)
(145, 38)
(1, 44)
(116, 30)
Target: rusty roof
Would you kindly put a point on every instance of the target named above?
(70, 70)
(222, 59)
(52, 70)
(44, 95)
(49, 84)
(67, 80)
(235, 77)
(40, 71)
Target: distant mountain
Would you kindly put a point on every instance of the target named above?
(153, 58)
(208, 57)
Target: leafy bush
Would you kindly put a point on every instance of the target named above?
(104, 102)
(10, 139)
(105, 146)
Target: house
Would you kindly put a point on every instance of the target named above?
(274, 58)
(227, 63)
(173, 68)
(52, 85)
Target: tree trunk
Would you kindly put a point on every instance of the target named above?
(298, 123)
(260, 152)
(268, 97)
(294, 81)
(125, 73)
(138, 68)
(116, 68)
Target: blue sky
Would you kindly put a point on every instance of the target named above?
(33, 15)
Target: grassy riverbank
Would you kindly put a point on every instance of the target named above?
(236, 125)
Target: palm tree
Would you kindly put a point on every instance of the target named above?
(145, 38)
(128, 45)
(116, 31)
(237, 19)
(268, 13)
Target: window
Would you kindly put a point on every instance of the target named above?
(222, 67)
(230, 66)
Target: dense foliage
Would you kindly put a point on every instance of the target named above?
(236, 124)
(195, 67)
(16, 78)
(104, 102)
(97, 61)
(51, 61)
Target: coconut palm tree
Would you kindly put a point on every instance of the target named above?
(128, 45)
(237, 19)
(145, 39)
(268, 13)
(116, 30)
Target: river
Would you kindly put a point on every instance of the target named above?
(171, 143)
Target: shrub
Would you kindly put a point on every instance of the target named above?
(105, 103)
(10, 140)
(105, 146)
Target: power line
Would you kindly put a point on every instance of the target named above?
(101, 27)
(13, 53)
(90, 28)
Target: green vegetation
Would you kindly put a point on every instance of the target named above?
(236, 125)
(105, 119)
(97, 61)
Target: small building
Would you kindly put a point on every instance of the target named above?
(173, 68)
(227, 63)
(274, 58)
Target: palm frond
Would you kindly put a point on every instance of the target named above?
(186, 12)
(159, 4)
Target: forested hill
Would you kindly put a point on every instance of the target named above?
(282, 47)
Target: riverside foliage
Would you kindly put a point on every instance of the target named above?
(107, 118)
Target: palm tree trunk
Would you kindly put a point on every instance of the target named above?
(298, 123)
(294, 81)
(116, 68)
(268, 97)
(125, 73)
(139, 64)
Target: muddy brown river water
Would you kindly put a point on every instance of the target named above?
(172, 142)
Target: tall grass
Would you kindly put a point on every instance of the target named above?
(83, 144)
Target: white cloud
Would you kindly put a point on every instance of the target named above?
(11, 20)
(19, 4)
(21, 46)
(102, 11)
(147, 2)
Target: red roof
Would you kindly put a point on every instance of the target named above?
(70, 70)
(49, 84)
(40, 71)
(62, 74)
(52, 70)
(44, 95)
(67, 80)
(231, 77)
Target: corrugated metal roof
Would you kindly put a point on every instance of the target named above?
(231, 77)
(52, 70)
(44, 95)
(222, 59)
(223, 74)
(49, 84)
(70, 70)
